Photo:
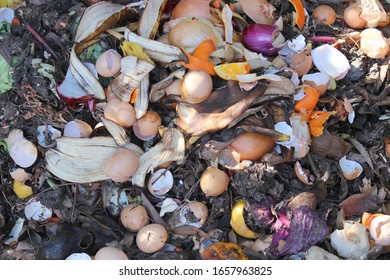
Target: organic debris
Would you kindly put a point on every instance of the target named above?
(193, 129)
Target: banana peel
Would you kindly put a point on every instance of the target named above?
(238, 223)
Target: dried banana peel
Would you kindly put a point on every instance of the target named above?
(80, 160)
(237, 221)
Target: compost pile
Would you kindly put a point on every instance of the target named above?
(169, 129)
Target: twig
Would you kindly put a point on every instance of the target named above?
(42, 41)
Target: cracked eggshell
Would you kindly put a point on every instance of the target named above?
(301, 63)
(108, 63)
(302, 174)
(36, 211)
(351, 169)
(24, 153)
(147, 127)
(78, 129)
(160, 182)
(19, 174)
(373, 43)
(319, 81)
(134, 217)
(110, 253)
(380, 230)
(330, 61)
(78, 257)
(151, 238)
(351, 242)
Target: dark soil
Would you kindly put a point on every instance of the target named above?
(82, 222)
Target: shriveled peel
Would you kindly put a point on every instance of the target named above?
(80, 160)
(317, 120)
(300, 19)
(199, 60)
(171, 148)
(218, 111)
(150, 19)
(98, 18)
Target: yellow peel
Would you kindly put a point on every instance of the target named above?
(22, 190)
(238, 223)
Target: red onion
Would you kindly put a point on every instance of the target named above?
(261, 38)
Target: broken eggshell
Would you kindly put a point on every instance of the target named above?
(194, 214)
(301, 63)
(351, 242)
(36, 211)
(77, 128)
(108, 63)
(151, 238)
(319, 81)
(160, 182)
(330, 61)
(147, 127)
(303, 174)
(78, 257)
(380, 230)
(134, 217)
(373, 43)
(22, 151)
(46, 135)
(350, 169)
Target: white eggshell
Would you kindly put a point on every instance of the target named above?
(78, 257)
(330, 61)
(36, 211)
(46, 135)
(24, 153)
(160, 182)
(351, 169)
(110, 253)
(380, 230)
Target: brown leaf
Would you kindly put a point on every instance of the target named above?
(357, 204)
(330, 146)
(222, 107)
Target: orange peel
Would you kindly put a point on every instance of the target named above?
(200, 59)
(298, 6)
(317, 120)
(228, 71)
(309, 102)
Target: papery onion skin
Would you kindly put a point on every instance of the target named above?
(192, 8)
(259, 37)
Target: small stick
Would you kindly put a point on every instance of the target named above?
(42, 41)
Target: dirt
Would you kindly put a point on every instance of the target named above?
(83, 221)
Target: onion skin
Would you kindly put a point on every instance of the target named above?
(259, 37)
(192, 8)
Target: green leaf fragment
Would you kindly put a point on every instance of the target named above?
(6, 79)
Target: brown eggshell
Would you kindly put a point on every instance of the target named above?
(301, 63)
(200, 211)
(122, 113)
(121, 165)
(252, 146)
(196, 87)
(214, 181)
(110, 253)
(134, 217)
(108, 63)
(151, 238)
(147, 127)
(352, 17)
(324, 14)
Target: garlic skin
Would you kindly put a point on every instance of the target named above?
(351, 242)
(330, 61)
(380, 230)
